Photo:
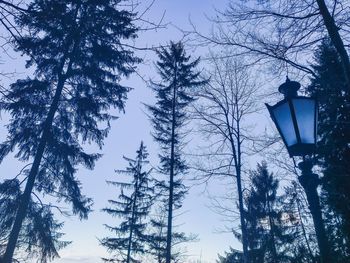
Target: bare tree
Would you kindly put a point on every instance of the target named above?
(222, 109)
(283, 31)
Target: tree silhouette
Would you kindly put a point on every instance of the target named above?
(178, 79)
(133, 209)
(77, 51)
(266, 233)
(40, 234)
(223, 109)
(157, 238)
(333, 152)
(295, 29)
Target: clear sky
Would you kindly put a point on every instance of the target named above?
(124, 139)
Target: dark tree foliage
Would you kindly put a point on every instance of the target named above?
(40, 234)
(333, 153)
(233, 256)
(178, 79)
(334, 224)
(77, 51)
(157, 237)
(266, 233)
(130, 235)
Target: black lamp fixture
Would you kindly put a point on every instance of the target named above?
(296, 119)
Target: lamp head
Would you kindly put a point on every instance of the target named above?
(296, 119)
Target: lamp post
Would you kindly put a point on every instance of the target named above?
(296, 120)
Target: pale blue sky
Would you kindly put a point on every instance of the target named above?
(124, 139)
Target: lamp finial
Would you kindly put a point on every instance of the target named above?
(289, 88)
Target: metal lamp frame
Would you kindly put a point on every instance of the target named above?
(300, 148)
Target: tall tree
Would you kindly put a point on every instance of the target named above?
(79, 58)
(133, 209)
(224, 107)
(329, 87)
(179, 78)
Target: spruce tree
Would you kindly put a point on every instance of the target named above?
(77, 51)
(41, 233)
(157, 238)
(179, 78)
(333, 151)
(265, 230)
(130, 235)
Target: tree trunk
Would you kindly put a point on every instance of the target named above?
(25, 198)
(171, 181)
(243, 225)
(133, 214)
(304, 230)
(238, 164)
(272, 231)
(129, 246)
(239, 184)
(333, 32)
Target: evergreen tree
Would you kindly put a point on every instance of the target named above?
(76, 48)
(40, 234)
(265, 230)
(333, 152)
(178, 79)
(157, 238)
(133, 209)
(233, 256)
(334, 224)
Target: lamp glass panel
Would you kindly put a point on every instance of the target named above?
(305, 116)
(284, 121)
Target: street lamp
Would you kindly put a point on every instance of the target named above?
(296, 120)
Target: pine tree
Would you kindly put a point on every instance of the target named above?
(265, 231)
(77, 51)
(333, 152)
(133, 209)
(178, 79)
